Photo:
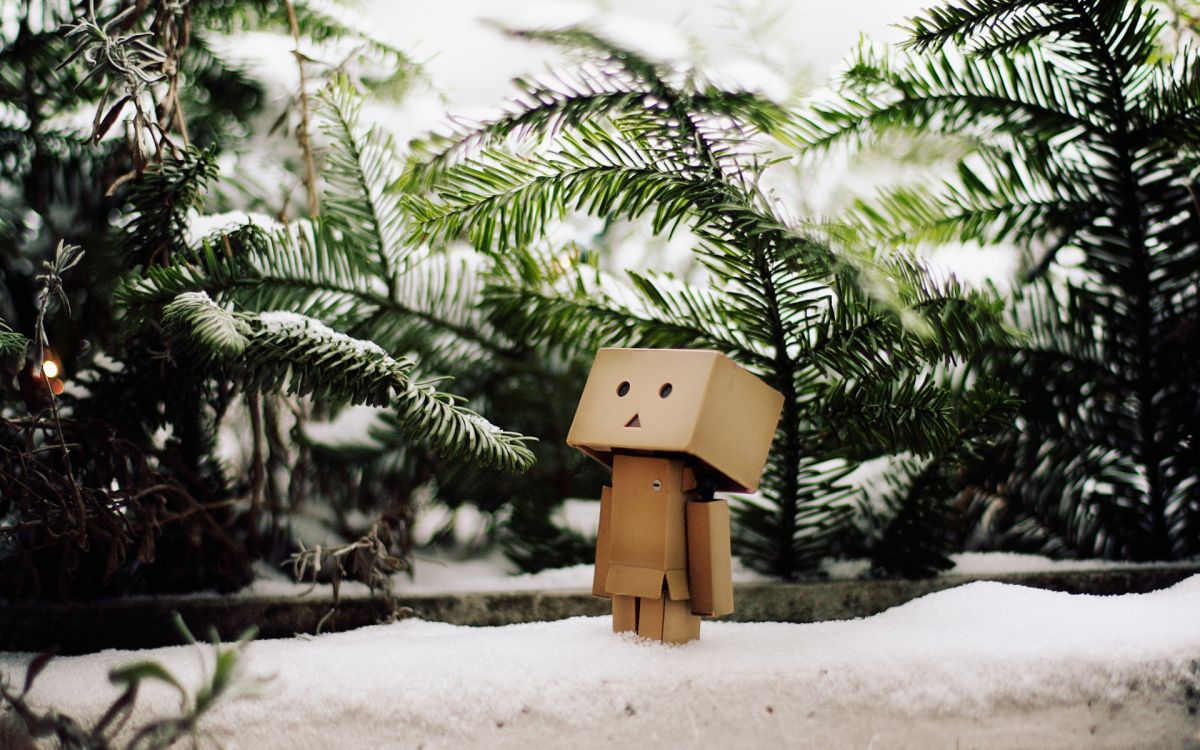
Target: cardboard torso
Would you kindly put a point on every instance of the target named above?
(649, 527)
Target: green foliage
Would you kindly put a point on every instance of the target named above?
(118, 489)
(12, 344)
(225, 682)
(220, 98)
(157, 231)
(853, 341)
(535, 392)
(1082, 135)
(387, 69)
(98, 499)
(58, 182)
(916, 516)
(358, 168)
(274, 351)
(345, 267)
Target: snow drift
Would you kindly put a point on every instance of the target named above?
(982, 665)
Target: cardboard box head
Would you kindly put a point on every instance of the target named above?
(679, 401)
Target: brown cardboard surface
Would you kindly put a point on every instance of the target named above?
(715, 411)
(647, 526)
(624, 614)
(665, 423)
(631, 581)
(679, 624)
(656, 417)
(650, 618)
(603, 544)
(677, 585)
(710, 575)
(736, 424)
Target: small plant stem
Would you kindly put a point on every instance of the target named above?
(258, 473)
(302, 136)
(174, 42)
(43, 303)
(76, 493)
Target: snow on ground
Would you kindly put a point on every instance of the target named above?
(989, 564)
(1000, 563)
(445, 573)
(438, 573)
(986, 665)
(434, 574)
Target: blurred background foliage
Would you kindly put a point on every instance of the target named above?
(247, 360)
(182, 321)
(1076, 127)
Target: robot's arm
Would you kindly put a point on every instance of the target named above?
(710, 574)
(603, 544)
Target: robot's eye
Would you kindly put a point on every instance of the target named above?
(665, 390)
(623, 388)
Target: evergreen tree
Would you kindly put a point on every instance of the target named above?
(1080, 134)
(863, 346)
(294, 291)
(115, 486)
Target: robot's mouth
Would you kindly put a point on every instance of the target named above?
(635, 422)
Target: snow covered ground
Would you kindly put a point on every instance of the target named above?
(986, 665)
(439, 574)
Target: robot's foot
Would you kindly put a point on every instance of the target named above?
(660, 619)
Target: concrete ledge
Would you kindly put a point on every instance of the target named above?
(842, 600)
(147, 622)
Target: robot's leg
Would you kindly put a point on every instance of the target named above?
(679, 624)
(625, 613)
(665, 620)
(650, 617)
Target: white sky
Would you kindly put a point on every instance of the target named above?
(472, 63)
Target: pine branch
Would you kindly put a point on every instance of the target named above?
(215, 329)
(540, 108)
(435, 309)
(916, 515)
(818, 515)
(285, 352)
(876, 418)
(1173, 100)
(779, 297)
(501, 198)
(357, 174)
(302, 267)
(321, 21)
(598, 47)
(12, 344)
(929, 322)
(593, 321)
(1107, 175)
(1011, 203)
(948, 94)
(571, 100)
(964, 22)
(162, 199)
(305, 269)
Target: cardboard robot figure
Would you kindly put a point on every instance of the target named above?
(674, 426)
